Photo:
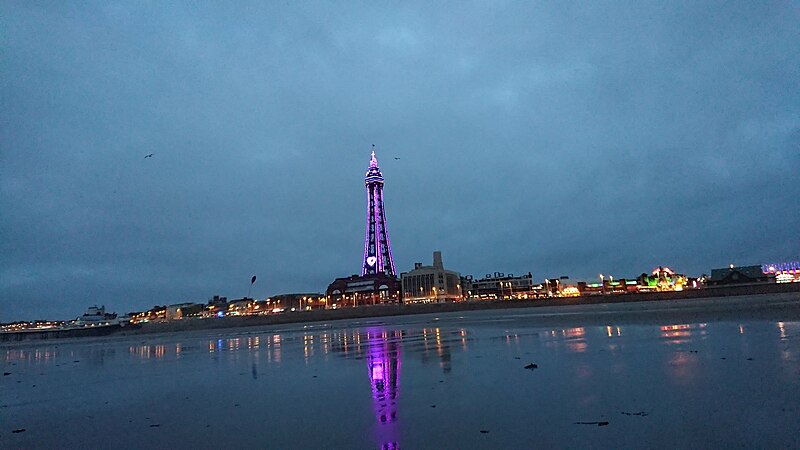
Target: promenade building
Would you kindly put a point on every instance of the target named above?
(182, 310)
(608, 286)
(303, 301)
(739, 275)
(662, 278)
(787, 272)
(499, 286)
(361, 290)
(431, 284)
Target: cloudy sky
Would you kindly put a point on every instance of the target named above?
(555, 138)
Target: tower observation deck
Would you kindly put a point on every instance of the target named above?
(377, 251)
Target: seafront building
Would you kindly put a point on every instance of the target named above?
(360, 290)
(787, 272)
(431, 284)
(500, 286)
(740, 275)
(181, 310)
(304, 301)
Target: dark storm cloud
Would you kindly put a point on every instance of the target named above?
(553, 138)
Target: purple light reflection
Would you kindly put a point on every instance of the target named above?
(383, 364)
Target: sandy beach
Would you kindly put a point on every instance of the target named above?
(706, 373)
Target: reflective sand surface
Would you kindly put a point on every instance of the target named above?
(448, 381)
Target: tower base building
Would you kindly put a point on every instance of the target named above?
(362, 290)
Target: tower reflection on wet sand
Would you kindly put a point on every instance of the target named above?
(383, 362)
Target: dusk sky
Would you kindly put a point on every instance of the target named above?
(557, 138)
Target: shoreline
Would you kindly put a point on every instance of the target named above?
(575, 311)
(558, 305)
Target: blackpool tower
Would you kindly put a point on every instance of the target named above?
(377, 252)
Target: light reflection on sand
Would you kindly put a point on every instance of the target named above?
(466, 375)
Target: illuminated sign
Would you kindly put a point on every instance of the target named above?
(788, 267)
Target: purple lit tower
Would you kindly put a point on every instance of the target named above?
(377, 251)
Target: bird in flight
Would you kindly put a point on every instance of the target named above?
(148, 156)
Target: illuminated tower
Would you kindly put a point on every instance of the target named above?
(377, 252)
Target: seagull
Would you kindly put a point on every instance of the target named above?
(148, 156)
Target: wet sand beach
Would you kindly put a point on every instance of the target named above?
(702, 374)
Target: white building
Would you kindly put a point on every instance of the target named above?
(431, 284)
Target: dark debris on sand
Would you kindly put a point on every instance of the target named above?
(599, 424)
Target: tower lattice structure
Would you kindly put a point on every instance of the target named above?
(377, 251)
